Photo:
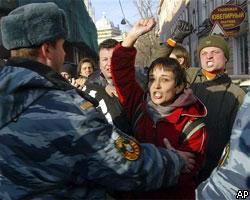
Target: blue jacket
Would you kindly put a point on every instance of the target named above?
(56, 145)
(231, 179)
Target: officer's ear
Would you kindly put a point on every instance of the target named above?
(45, 54)
(46, 50)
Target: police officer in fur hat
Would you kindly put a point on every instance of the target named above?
(54, 144)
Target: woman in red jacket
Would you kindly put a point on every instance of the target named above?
(166, 110)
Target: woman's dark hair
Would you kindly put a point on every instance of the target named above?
(170, 64)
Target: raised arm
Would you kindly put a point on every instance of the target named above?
(140, 28)
(165, 48)
(123, 72)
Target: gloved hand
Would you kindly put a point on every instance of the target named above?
(182, 30)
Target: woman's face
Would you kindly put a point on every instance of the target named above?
(162, 86)
(86, 69)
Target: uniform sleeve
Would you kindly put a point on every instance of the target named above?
(118, 162)
(239, 94)
(123, 74)
(230, 180)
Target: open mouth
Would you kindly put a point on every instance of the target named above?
(210, 63)
(157, 95)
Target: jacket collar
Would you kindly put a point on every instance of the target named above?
(43, 70)
(197, 110)
(221, 79)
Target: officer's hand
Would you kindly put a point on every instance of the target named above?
(111, 90)
(182, 30)
(187, 157)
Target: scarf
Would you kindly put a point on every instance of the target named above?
(212, 75)
(156, 112)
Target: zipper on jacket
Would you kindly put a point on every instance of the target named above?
(155, 129)
(154, 132)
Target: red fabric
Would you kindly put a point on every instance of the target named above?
(131, 96)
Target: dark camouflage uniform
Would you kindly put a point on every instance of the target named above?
(56, 145)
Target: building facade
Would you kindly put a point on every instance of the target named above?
(106, 30)
(198, 13)
(90, 9)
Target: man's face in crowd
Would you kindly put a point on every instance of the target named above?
(105, 62)
(212, 59)
(56, 55)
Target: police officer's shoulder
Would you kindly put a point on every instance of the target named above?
(77, 98)
(88, 97)
(86, 105)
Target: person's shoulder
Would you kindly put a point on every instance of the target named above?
(90, 86)
(191, 73)
(95, 74)
(192, 70)
(96, 78)
(196, 108)
(236, 90)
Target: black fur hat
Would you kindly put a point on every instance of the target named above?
(33, 24)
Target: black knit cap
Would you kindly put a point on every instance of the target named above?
(33, 24)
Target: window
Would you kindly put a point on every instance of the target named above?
(204, 9)
(194, 18)
(242, 54)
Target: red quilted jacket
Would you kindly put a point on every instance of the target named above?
(132, 98)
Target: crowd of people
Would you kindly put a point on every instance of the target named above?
(177, 132)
